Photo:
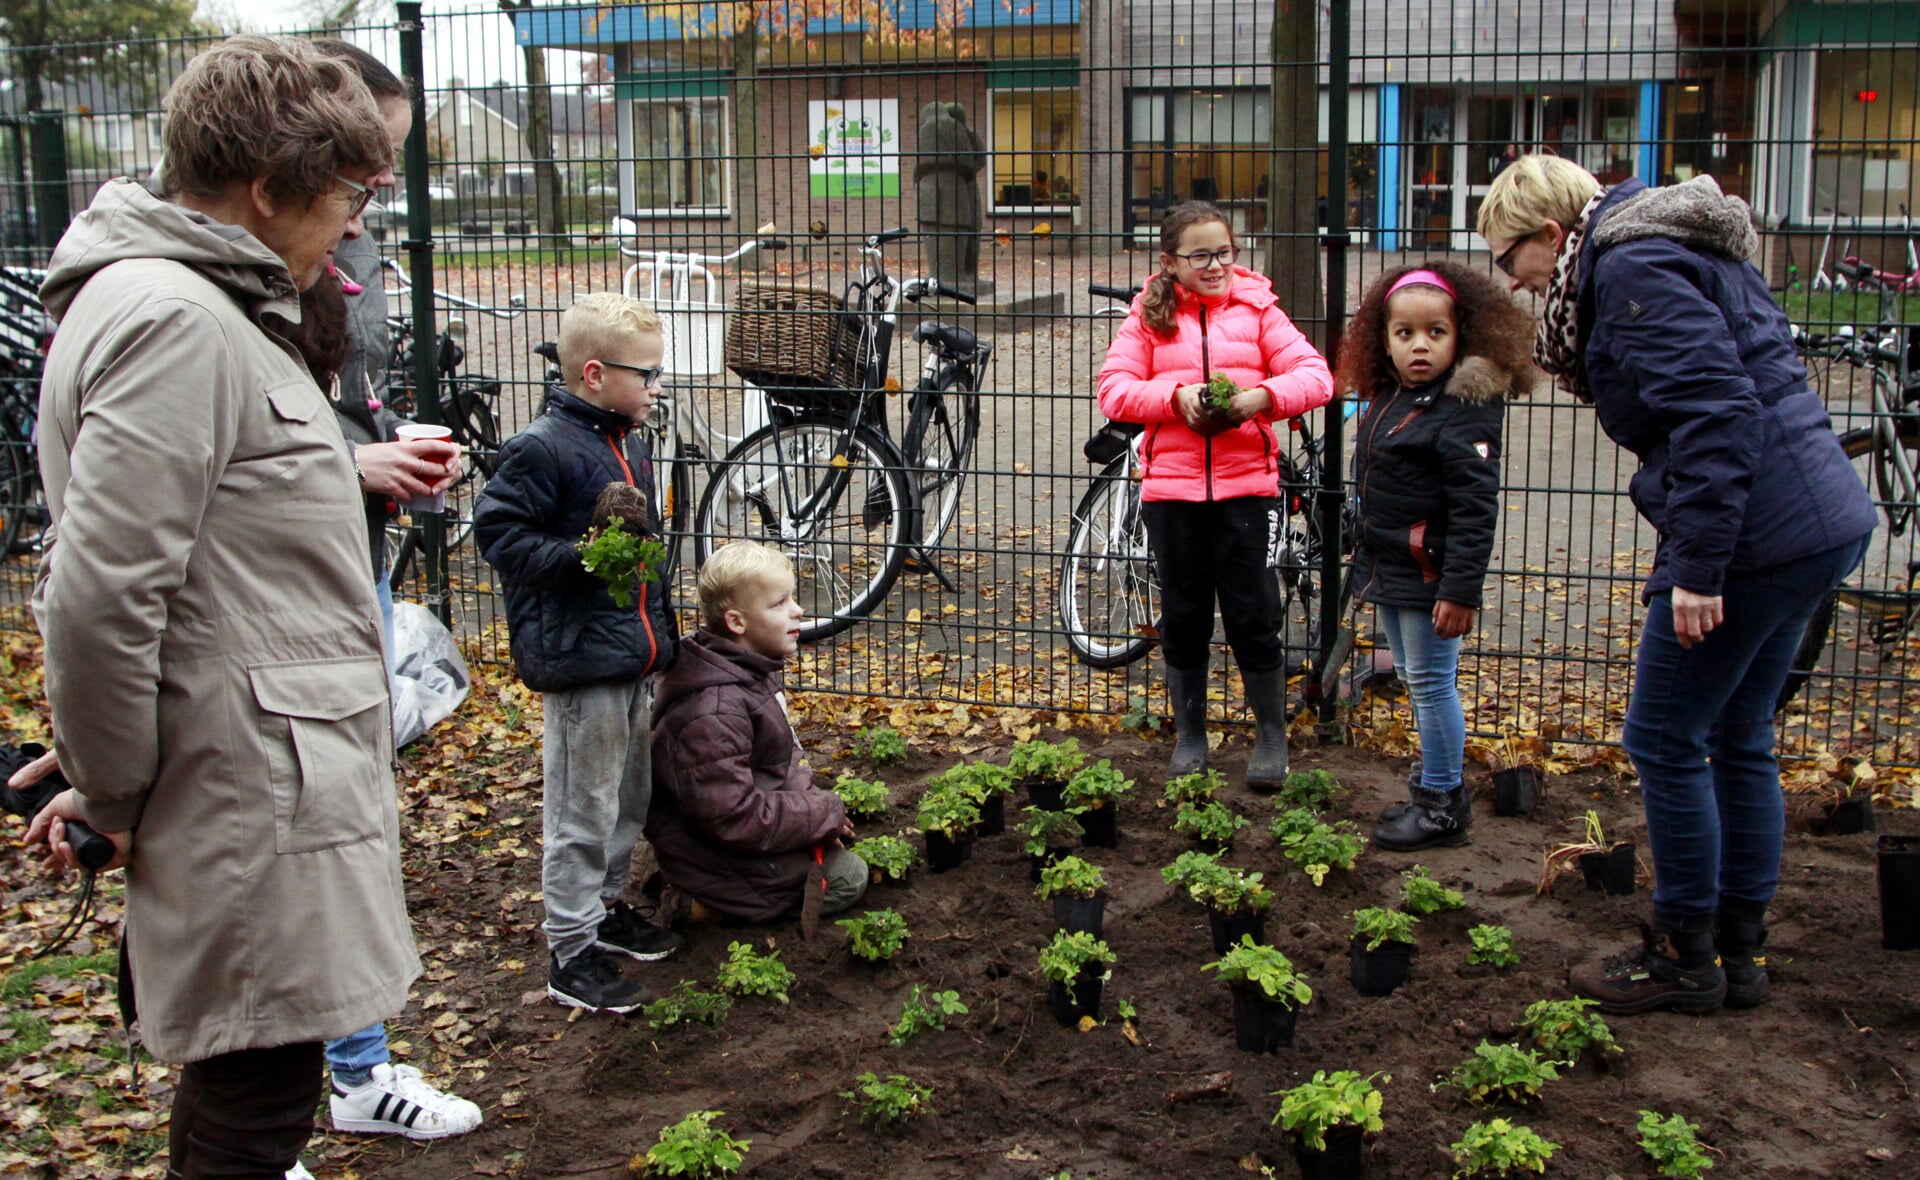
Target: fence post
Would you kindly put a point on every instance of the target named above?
(1333, 467)
(426, 329)
(51, 208)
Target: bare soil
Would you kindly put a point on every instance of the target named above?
(1806, 1085)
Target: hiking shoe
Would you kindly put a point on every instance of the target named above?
(396, 1100)
(1650, 976)
(1740, 935)
(1435, 819)
(590, 980)
(624, 932)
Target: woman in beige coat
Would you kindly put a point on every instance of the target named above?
(212, 641)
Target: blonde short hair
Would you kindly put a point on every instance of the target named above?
(599, 325)
(273, 108)
(726, 575)
(1532, 191)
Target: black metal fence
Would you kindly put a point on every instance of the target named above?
(558, 150)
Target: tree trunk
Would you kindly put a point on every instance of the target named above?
(1293, 247)
(746, 130)
(550, 207)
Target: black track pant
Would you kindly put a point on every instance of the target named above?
(1217, 550)
(244, 1115)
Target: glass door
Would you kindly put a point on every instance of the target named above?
(1431, 167)
(1493, 129)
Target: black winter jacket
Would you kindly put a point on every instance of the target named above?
(1427, 463)
(566, 631)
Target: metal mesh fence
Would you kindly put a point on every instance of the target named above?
(559, 150)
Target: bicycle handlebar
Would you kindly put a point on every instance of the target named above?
(516, 304)
(919, 289)
(688, 258)
(1124, 294)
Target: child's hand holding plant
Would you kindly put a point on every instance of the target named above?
(617, 548)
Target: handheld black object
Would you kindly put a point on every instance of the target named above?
(93, 849)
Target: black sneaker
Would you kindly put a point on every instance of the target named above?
(1654, 975)
(591, 981)
(1435, 819)
(624, 932)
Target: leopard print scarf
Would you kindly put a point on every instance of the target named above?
(1557, 348)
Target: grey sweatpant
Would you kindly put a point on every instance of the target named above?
(598, 756)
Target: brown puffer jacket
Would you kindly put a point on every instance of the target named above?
(735, 815)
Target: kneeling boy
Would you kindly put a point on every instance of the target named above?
(736, 820)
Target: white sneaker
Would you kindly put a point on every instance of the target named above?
(299, 1172)
(397, 1101)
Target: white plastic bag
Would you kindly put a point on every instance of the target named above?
(429, 678)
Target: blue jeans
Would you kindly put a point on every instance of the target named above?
(1430, 666)
(1700, 733)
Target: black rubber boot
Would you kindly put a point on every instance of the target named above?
(1674, 967)
(1740, 935)
(1435, 819)
(1267, 693)
(1187, 693)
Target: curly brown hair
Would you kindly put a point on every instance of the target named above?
(321, 335)
(1487, 321)
(1160, 297)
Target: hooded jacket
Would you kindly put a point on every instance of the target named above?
(213, 652)
(565, 628)
(734, 816)
(1249, 339)
(1693, 369)
(1427, 465)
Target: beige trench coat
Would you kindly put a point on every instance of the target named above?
(212, 638)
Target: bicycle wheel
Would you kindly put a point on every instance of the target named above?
(942, 424)
(836, 503)
(18, 484)
(1109, 592)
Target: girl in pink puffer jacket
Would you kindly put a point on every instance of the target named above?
(1211, 487)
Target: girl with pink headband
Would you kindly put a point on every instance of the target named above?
(1435, 351)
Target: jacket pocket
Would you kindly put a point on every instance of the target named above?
(1425, 551)
(325, 729)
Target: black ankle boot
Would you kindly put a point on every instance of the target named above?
(1740, 935)
(1267, 693)
(1434, 819)
(1187, 694)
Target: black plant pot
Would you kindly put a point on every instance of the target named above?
(1100, 826)
(1261, 1025)
(993, 816)
(1343, 1159)
(1845, 817)
(1898, 866)
(1084, 1000)
(1378, 972)
(944, 852)
(1227, 928)
(1216, 847)
(1080, 913)
(1048, 794)
(1516, 791)
(1036, 863)
(1612, 870)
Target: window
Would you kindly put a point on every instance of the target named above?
(1864, 131)
(682, 149)
(1036, 148)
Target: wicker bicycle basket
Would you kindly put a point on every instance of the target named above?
(793, 341)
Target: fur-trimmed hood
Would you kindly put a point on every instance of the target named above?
(1476, 380)
(1695, 214)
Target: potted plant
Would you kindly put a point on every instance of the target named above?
(1842, 810)
(1313, 789)
(1498, 1148)
(1492, 947)
(887, 857)
(875, 936)
(1422, 896)
(1211, 825)
(1381, 951)
(948, 818)
(864, 800)
(1516, 787)
(1236, 904)
(1191, 871)
(881, 746)
(1567, 1030)
(1197, 787)
(1050, 836)
(1322, 848)
(1076, 966)
(1096, 790)
(1608, 866)
(1897, 865)
(1329, 1118)
(1078, 892)
(1267, 995)
(1504, 1073)
(1044, 768)
(987, 785)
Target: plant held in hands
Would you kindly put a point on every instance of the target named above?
(875, 936)
(887, 856)
(1339, 1099)
(892, 1100)
(1221, 390)
(1564, 1030)
(1492, 946)
(1070, 877)
(1498, 1148)
(748, 973)
(621, 559)
(693, 1148)
(863, 799)
(1265, 968)
(1669, 1142)
(1422, 896)
(923, 1012)
(1501, 1072)
(880, 746)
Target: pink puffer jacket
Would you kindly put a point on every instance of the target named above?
(1249, 339)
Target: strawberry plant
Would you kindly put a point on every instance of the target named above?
(1193, 788)
(687, 1004)
(1212, 822)
(1293, 824)
(1339, 1099)
(621, 559)
(1323, 848)
(1564, 1030)
(880, 746)
(694, 1148)
(1380, 926)
(921, 1013)
(863, 799)
(948, 811)
(892, 1100)
(1422, 896)
(747, 973)
(1231, 891)
(1263, 967)
(1496, 1147)
(1071, 877)
(1064, 960)
(889, 856)
(1503, 1073)
(978, 781)
(1046, 761)
(1097, 785)
(1195, 872)
(1312, 789)
(1669, 1142)
(875, 936)
(1493, 946)
(1220, 393)
(1050, 829)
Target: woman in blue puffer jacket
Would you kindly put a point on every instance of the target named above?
(1654, 314)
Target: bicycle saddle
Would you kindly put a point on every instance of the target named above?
(946, 337)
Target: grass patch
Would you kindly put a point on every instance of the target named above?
(17, 984)
(1823, 310)
(30, 1035)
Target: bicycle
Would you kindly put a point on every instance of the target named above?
(25, 332)
(1109, 591)
(826, 473)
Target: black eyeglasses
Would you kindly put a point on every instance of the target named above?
(1504, 263)
(647, 376)
(362, 197)
(1202, 259)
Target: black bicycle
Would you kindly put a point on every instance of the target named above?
(25, 332)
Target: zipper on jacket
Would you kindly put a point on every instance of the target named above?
(646, 624)
(1376, 411)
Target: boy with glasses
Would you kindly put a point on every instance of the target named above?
(594, 660)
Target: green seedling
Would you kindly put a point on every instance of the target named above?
(863, 799)
(621, 559)
(1050, 829)
(1669, 1142)
(1264, 967)
(687, 1004)
(1193, 788)
(1221, 390)
(1499, 1148)
(880, 746)
(1501, 1073)
(1196, 872)
(1231, 891)
(1046, 761)
(1379, 926)
(1314, 790)
(1069, 955)
(694, 1148)
(888, 856)
(1323, 848)
(748, 973)
(1421, 895)
(949, 811)
(978, 781)
(1293, 824)
(1339, 1099)
(1213, 822)
(1565, 1030)
(1097, 785)
(1492, 946)
(1126, 1011)
(875, 936)
(889, 1101)
(1140, 715)
(921, 1013)
(1071, 877)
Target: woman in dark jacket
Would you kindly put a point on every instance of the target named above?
(1654, 315)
